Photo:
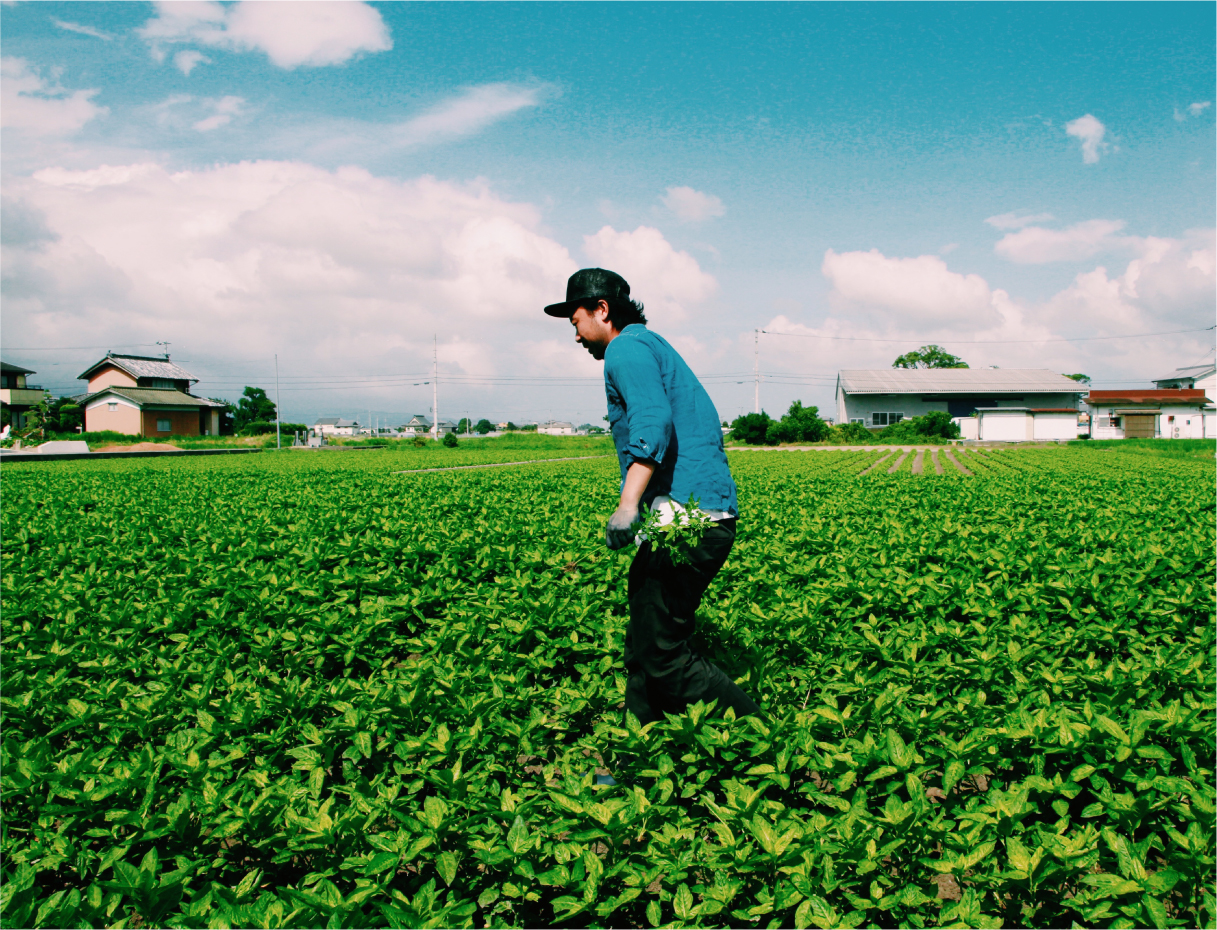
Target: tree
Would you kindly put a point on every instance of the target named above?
(753, 428)
(1080, 378)
(800, 424)
(484, 426)
(464, 426)
(253, 407)
(70, 415)
(450, 440)
(930, 356)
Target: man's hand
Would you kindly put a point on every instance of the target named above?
(619, 532)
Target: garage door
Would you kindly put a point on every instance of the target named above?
(1139, 427)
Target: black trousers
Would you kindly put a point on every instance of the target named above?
(665, 674)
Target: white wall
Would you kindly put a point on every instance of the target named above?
(1056, 426)
(969, 427)
(1188, 423)
(1015, 426)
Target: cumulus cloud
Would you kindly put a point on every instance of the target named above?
(1035, 245)
(1193, 109)
(918, 291)
(1172, 283)
(665, 280)
(691, 206)
(291, 33)
(882, 306)
(187, 60)
(35, 106)
(83, 30)
(1090, 132)
(329, 268)
(469, 112)
(223, 110)
(1018, 220)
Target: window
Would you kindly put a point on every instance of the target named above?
(164, 426)
(113, 405)
(160, 383)
(885, 418)
(861, 420)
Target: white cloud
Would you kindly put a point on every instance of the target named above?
(665, 280)
(948, 248)
(223, 110)
(291, 33)
(692, 206)
(474, 109)
(187, 60)
(920, 291)
(83, 30)
(883, 306)
(1017, 221)
(1197, 108)
(329, 268)
(1036, 245)
(1091, 132)
(35, 106)
(1172, 283)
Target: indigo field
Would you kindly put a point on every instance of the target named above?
(299, 690)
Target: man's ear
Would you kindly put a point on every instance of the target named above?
(602, 310)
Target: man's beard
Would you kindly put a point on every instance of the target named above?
(596, 351)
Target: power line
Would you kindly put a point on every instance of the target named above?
(1177, 332)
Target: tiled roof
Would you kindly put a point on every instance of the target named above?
(957, 381)
(157, 397)
(142, 366)
(15, 369)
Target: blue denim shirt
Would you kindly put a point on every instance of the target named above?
(660, 413)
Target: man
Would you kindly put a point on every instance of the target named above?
(670, 449)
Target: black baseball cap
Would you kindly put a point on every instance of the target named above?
(589, 284)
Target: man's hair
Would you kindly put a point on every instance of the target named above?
(622, 311)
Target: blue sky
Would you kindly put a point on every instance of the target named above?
(339, 184)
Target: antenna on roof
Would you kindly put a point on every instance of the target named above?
(166, 347)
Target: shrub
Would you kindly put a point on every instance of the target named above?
(800, 424)
(849, 434)
(753, 428)
(937, 424)
(450, 440)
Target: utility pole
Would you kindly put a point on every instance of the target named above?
(278, 415)
(435, 388)
(756, 335)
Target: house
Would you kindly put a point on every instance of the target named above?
(879, 397)
(1150, 414)
(420, 425)
(556, 428)
(335, 426)
(16, 395)
(1200, 378)
(145, 396)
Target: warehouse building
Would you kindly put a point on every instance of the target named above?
(1008, 404)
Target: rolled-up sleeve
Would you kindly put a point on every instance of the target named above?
(633, 370)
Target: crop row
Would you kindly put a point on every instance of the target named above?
(274, 691)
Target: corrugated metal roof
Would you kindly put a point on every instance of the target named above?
(957, 381)
(157, 397)
(141, 366)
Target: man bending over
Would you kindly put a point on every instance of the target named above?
(670, 448)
